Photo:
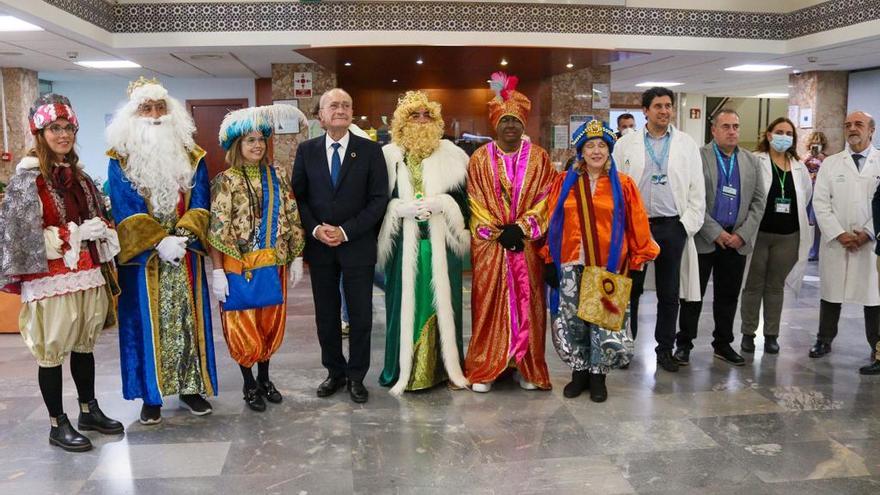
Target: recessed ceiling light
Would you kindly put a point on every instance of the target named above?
(772, 95)
(347, 64)
(503, 62)
(205, 56)
(569, 65)
(108, 64)
(394, 80)
(9, 23)
(363, 117)
(489, 81)
(651, 84)
(11, 54)
(757, 68)
(420, 61)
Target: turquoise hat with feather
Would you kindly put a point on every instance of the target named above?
(264, 119)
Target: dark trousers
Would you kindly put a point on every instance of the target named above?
(669, 233)
(357, 285)
(728, 267)
(829, 315)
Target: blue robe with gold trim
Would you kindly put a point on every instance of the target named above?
(140, 276)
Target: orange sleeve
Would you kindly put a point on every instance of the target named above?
(640, 245)
(546, 211)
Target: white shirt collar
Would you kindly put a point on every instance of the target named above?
(328, 141)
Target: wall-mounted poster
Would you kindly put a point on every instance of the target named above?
(287, 126)
(575, 121)
(601, 96)
(794, 113)
(302, 84)
(806, 120)
(560, 137)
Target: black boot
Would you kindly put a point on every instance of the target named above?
(580, 381)
(267, 388)
(63, 435)
(91, 417)
(748, 343)
(254, 399)
(598, 391)
(771, 346)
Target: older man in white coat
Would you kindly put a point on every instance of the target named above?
(842, 201)
(667, 166)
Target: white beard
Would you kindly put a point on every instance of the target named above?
(158, 164)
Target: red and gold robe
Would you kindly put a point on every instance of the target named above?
(507, 298)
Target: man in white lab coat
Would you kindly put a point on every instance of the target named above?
(842, 201)
(667, 166)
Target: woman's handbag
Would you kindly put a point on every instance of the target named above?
(255, 280)
(604, 294)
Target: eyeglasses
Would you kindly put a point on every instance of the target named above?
(336, 106)
(58, 130)
(251, 141)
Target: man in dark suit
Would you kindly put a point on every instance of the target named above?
(874, 367)
(341, 186)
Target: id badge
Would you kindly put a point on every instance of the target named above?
(729, 191)
(783, 205)
(659, 179)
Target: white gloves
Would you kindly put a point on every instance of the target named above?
(93, 229)
(296, 272)
(171, 249)
(433, 205)
(410, 209)
(74, 239)
(219, 284)
(53, 243)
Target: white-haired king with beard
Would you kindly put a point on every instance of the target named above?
(161, 197)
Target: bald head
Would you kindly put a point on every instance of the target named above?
(335, 112)
(859, 129)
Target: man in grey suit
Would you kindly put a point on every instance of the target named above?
(734, 207)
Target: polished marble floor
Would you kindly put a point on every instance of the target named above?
(781, 424)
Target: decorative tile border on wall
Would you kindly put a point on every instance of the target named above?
(471, 16)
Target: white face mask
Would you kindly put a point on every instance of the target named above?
(628, 130)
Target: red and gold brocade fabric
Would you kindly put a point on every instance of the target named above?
(507, 299)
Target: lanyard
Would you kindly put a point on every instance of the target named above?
(730, 166)
(664, 153)
(781, 178)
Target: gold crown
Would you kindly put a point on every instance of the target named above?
(141, 81)
(595, 129)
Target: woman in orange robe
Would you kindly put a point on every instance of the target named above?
(624, 238)
(507, 179)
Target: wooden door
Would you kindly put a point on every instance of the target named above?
(208, 114)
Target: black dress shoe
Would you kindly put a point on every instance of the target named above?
(254, 399)
(748, 343)
(196, 404)
(819, 349)
(150, 415)
(728, 355)
(771, 346)
(357, 391)
(580, 381)
(667, 362)
(271, 393)
(63, 435)
(871, 369)
(329, 386)
(91, 417)
(598, 391)
(682, 357)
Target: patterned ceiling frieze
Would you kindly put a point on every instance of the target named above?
(467, 17)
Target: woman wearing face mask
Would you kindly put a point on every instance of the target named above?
(818, 148)
(784, 236)
(592, 209)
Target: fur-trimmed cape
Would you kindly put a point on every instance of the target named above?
(444, 171)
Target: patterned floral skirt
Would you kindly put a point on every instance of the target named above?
(582, 345)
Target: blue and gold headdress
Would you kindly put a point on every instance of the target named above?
(262, 119)
(592, 130)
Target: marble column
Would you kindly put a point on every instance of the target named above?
(323, 79)
(825, 93)
(20, 89)
(572, 94)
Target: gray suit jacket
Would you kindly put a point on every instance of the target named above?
(751, 203)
